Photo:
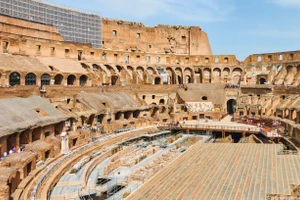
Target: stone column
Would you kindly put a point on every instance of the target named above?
(64, 142)
(74, 127)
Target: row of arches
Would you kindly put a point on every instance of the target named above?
(45, 79)
(111, 74)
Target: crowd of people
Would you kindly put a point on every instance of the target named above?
(15, 150)
(232, 85)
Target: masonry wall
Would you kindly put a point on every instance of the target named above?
(25, 28)
(136, 37)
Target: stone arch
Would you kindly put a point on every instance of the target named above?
(150, 70)
(118, 115)
(11, 142)
(188, 75)
(122, 73)
(140, 72)
(157, 80)
(14, 79)
(217, 75)
(236, 75)
(30, 79)
(110, 70)
(226, 73)
(281, 73)
(24, 138)
(179, 78)
(231, 106)
(161, 101)
(71, 80)
(91, 119)
(36, 134)
(298, 68)
(171, 75)
(262, 80)
(130, 71)
(96, 68)
(291, 72)
(83, 80)
(58, 79)
(206, 75)
(45, 79)
(119, 68)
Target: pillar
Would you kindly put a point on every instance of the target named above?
(223, 134)
(64, 142)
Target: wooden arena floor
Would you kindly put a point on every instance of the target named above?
(224, 171)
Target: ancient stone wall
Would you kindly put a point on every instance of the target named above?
(136, 37)
(30, 29)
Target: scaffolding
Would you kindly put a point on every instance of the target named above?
(73, 25)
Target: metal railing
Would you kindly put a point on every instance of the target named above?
(214, 127)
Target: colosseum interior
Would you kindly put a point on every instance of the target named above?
(152, 114)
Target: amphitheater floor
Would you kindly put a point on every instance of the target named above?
(224, 171)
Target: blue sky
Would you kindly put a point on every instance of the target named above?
(234, 27)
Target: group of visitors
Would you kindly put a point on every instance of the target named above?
(232, 85)
(13, 150)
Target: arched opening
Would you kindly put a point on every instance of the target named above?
(130, 71)
(82, 121)
(24, 138)
(136, 113)
(157, 81)
(204, 98)
(83, 80)
(127, 114)
(58, 79)
(11, 142)
(206, 75)
(118, 115)
(188, 75)
(188, 79)
(178, 72)
(91, 119)
(100, 118)
(217, 75)
(262, 81)
(30, 79)
(162, 101)
(114, 79)
(14, 79)
(96, 68)
(140, 73)
(231, 106)
(179, 79)
(171, 79)
(45, 79)
(36, 134)
(71, 80)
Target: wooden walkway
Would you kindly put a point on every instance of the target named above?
(224, 171)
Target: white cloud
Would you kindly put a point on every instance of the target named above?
(187, 10)
(288, 3)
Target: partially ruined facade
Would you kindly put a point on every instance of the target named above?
(141, 76)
